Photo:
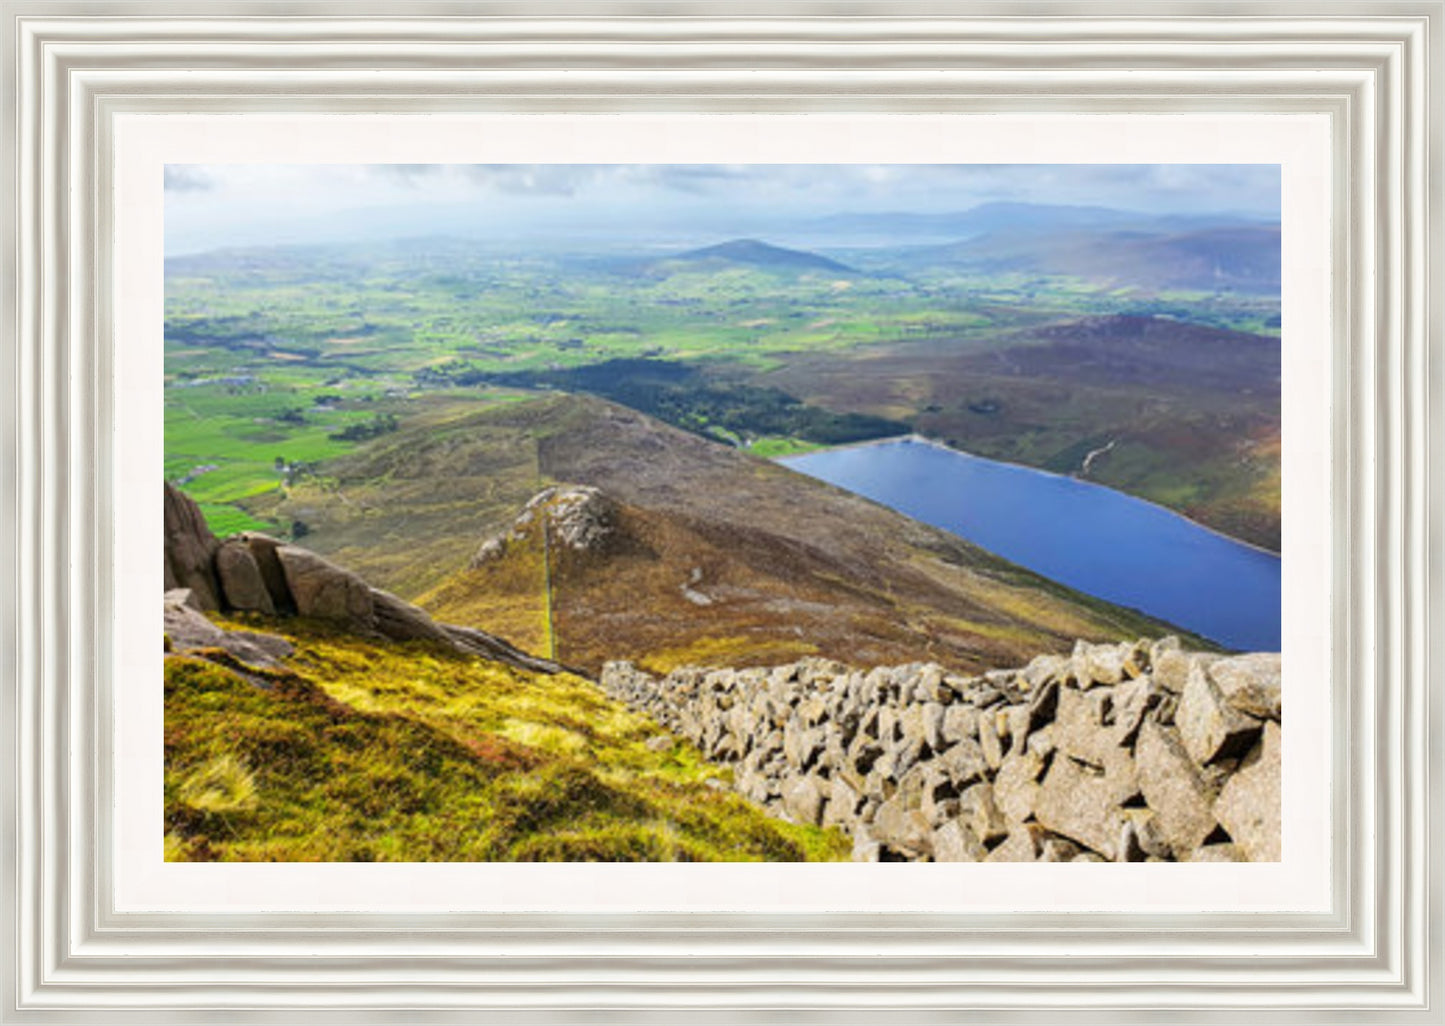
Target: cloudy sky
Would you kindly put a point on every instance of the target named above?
(212, 206)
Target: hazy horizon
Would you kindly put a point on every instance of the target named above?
(219, 206)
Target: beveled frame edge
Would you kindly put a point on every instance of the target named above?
(70, 958)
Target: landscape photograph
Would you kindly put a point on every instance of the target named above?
(705, 512)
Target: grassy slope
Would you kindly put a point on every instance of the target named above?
(506, 597)
(383, 752)
(406, 510)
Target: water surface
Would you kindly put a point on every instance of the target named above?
(1085, 535)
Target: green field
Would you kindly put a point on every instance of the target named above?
(281, 359)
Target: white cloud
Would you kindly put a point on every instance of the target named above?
(232, 204)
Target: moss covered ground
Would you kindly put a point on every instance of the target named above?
(363, 751)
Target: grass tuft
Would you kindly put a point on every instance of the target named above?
(218, 786)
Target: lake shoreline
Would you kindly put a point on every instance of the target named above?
(937, 444)
(1097, 540)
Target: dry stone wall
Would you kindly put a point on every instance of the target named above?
(1139, 751)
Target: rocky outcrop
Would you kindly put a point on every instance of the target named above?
(1139, 751)
(190, 549)
(325, 591)
(240, 577)
(489, 646)
(582, 517)
(253, 572)
(187, 630)
(577, 516)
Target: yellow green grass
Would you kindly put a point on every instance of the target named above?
(365, 751)
(506, 596)
(226, 520)
(772, 447)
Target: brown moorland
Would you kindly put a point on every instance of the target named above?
(715, 556)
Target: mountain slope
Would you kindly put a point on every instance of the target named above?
(789, 566)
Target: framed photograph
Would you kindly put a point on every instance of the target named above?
(602, 463)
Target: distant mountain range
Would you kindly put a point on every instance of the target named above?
(1243, 258)
(1015, 217)
(1112, 247)
(1195, 252)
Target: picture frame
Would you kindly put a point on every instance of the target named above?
(80, 76)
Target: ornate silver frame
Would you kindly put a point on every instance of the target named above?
(1372, 68)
